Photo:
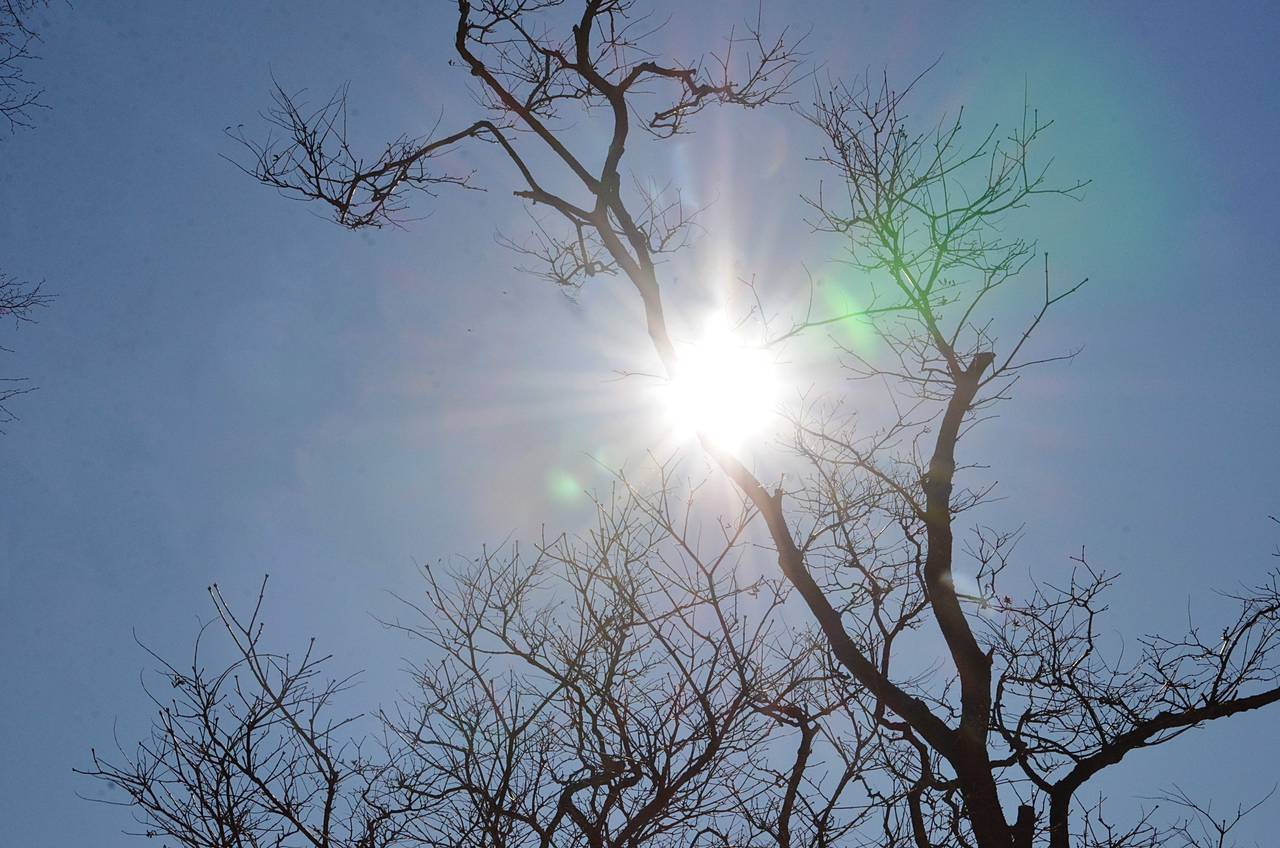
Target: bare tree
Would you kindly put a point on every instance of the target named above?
(626, 687)
(542, 727)
(247, 754)
(1035, 705)
(17, 300)
(19, 95)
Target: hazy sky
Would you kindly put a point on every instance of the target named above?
(232, 385)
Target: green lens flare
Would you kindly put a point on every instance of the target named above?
(855, 331)
(563, 486)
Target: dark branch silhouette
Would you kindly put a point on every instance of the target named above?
(18, 300)
(19, 96)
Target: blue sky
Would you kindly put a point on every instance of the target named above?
(231, 385)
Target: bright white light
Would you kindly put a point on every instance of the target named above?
(723, 388)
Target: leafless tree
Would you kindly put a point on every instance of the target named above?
(248, 754)
(541, 725)
(18, 96)
(626, 687)
(1036, 705)
(18, 93)
(17, 301)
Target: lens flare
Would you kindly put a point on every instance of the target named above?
(723, 388)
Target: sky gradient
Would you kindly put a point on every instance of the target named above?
(231, 385)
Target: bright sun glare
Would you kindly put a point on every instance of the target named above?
(723, 388)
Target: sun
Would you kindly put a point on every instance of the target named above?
(723, 388)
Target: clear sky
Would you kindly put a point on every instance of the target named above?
(231, 385)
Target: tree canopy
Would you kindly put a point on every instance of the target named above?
(636, 684)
